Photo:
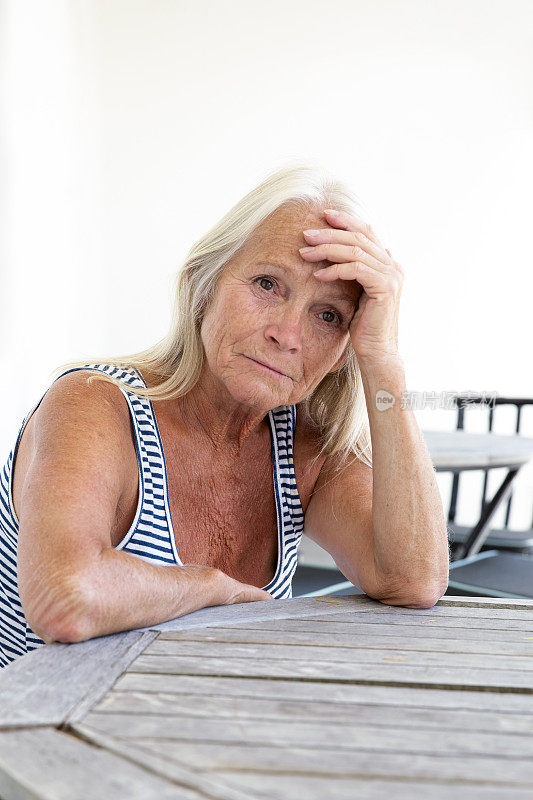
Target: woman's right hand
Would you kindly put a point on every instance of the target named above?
(231, 591)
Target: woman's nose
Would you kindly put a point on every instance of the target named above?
(286, 328)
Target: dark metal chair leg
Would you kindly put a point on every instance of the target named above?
(480, 532)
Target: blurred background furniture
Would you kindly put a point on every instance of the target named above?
(487, 561)
(483, 562)
(502, 538)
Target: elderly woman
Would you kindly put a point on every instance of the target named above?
(143, 488)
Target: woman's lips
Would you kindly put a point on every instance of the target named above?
(264, 366)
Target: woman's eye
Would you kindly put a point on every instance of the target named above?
(263, 278)
(337, 318)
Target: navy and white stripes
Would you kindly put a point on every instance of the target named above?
(151, 536)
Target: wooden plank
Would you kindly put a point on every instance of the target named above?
(444, 612)
(324, 639)
(369, 764)
(212, 786)
(253, 708)
(485, 602)
(46, 685)
(430, 630)
(387, 672)
(100, 689)
(321, 734)
(48, 764)
(285, 787)
(352, 693)
(449, 614)
(454, 625)
(405, 653)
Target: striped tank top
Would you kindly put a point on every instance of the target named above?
(151, 536)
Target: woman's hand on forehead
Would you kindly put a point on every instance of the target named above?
(359, 255)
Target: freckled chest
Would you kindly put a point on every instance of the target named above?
(224, 514)
(224, 510)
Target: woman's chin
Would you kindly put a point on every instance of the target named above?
(259, 392)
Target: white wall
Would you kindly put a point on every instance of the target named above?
(130, 127)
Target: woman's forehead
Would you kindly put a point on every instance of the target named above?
(291, 221)
(281, 234)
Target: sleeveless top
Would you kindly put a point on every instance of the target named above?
(151, 536)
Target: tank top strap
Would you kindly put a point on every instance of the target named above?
(289, 506)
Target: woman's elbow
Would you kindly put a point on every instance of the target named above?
(62, 613)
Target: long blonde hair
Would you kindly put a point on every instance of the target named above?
(337, 404)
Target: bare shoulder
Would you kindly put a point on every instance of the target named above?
(86, 387)
(77, 400)
(74, 406)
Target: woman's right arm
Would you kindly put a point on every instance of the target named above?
(73, 584)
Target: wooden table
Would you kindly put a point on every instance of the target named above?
(326, 698)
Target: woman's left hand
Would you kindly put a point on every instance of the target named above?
(359, 255)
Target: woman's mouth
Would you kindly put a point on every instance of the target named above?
(266, 368)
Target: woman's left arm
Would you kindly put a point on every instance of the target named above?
(410, 535)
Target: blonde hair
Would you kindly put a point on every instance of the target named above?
(337, 404)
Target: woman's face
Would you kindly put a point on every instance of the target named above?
(270, 307)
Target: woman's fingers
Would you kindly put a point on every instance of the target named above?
(344, 253)
(372, 280)
(328, 236)
(341, 219)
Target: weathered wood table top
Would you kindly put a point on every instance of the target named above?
(337, 697)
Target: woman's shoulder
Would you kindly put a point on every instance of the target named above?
(78, 385)
(70, 409)
(75, 393)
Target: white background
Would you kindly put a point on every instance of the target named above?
(128, 128)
